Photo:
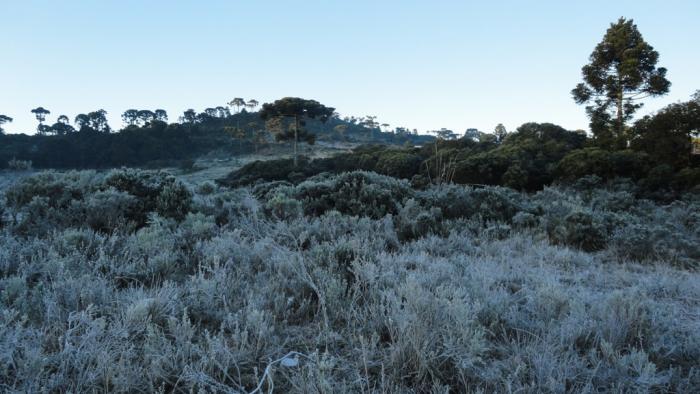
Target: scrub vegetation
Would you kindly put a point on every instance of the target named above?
(538, 261)
(132, 281)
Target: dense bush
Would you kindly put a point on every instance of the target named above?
(398, 164)
(488, 203)
(525, 160)
(384, 160)
(579, 229)
(602, 163)
(352, 193)
(155, 192)
(121, 199)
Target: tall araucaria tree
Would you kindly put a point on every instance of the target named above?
(238, 103)
(40, 114)
(299, 110)
(622, 71)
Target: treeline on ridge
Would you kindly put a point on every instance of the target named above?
(150, 140)
(660, 158)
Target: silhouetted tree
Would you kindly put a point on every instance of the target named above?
(222, 112)
(130, 116)
(622, 71)
(500, 132)
(445, 134)
(189, 116)
(472, 134)
(370, 122)
(40, 114)
(252, 104)
(299, 109)
(211, 112)
(4, 119)
(145, 116)
(238, 103)
(95, 121)
(62, 126)
(161, 115)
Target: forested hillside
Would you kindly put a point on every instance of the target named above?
(149, 140)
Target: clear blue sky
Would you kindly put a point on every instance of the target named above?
(420, 64)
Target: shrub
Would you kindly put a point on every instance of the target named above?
(659, 177)
(414, 221)
(19, 165)
(174, 201)
(206, 188)
(267, 170)
(462, 304)
(687, 179)
(398, 164)
(524, 220)
(498, 204)
(120, 201)
(155, 192)
(603, 163)
(488, 203)
(580, 229)
(515, 177)
(59, 189)
(107, 210)
(353, 193)
(282, 207)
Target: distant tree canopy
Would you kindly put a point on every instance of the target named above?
(93, 121)
(445, 134)
(40, 114)
(622, 71)
(500, 132)
(146, 139)
(4, 119)
(299, 110)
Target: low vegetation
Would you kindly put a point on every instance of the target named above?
(132, 281)
(542, 260)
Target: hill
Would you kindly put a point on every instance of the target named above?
(157, 143)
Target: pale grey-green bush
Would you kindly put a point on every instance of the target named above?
(410, 296)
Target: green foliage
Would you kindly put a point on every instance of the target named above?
(603, 163)
(155, 191)
(667, 135)
(622, 69)
(415, 221)
(173, 201)
(579, 229)
(687, 179)
(525, 159)
(122, 200)
(155, 141)
(299, 109)
(354, 193)
(398, 164)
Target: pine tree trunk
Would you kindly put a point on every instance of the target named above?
(620, 124)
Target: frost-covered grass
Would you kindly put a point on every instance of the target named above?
(201, 288)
